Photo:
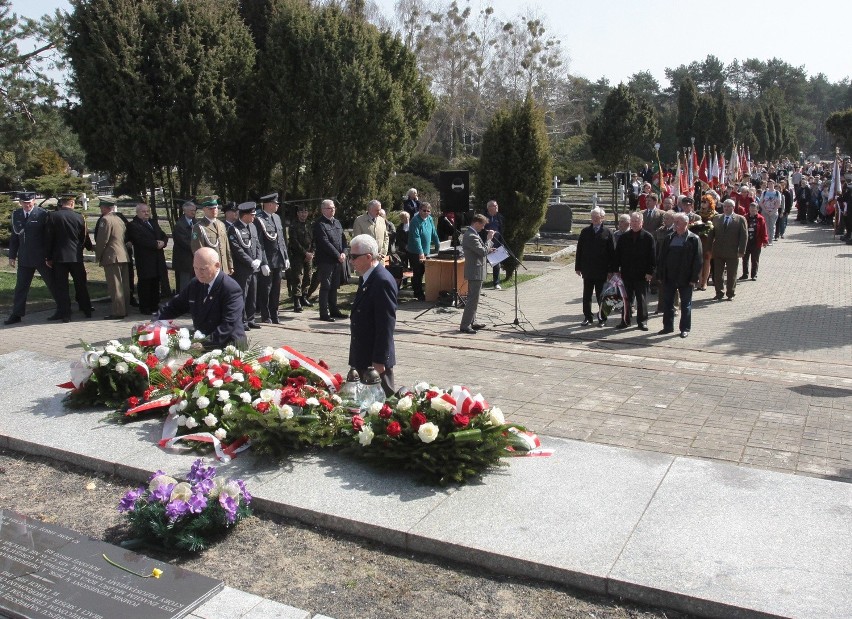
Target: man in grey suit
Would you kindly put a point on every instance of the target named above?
(27, 251)
(729, 237)
(182, 251)
(475, 270)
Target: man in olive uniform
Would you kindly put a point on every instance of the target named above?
(302, 257)
(111, 254)
(208, 231)
(27, 251)
(249, 259)
(67, 236)
(270, 231)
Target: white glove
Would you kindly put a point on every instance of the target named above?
(255, 264)
(265, 270)
(286, 264)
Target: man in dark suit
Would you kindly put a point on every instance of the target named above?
(679, 268)
(475, 269)
(729, 237)
(329, 257)
(67, 236)
(27, 251)
(215, 301)
(148, 241)
(270, 231)
(182, 250)
(373, 313)
(594, 262)
(635, 257)
(249, 259)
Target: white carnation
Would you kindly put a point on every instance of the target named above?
(134, 350)
(198, 335)
(103, 360)
(267, 395)
(280, 356)
(245, 396)
(182, 405)
(221, 433)
(121, 367)
(224, 396)
(365, 436)
(312, 402)
(421, 387)
(191, 423)
(181, 420)
(210, 420)
(162, 352)
(285, 412)
(114, 343)
(184, 343)
(238, 377)
(110, 350)
(202, 402)
(336, 399)
(267, 352)
(217, 383)
(227, 409)
(183, 333)
(428, 432)
(376, 407)
(230, 350)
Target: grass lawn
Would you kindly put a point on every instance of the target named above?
(39, 298)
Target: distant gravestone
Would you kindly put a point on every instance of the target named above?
(598, 178)
(47, 571)
(579, 179)
(559, 219)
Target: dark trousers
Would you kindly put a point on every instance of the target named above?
(24, 281)
(730, 279)
(636, 289)
(752, 254)
(300, 277)
(248, 282)
(149, 294)
(387, 379)
(182, 279)
(670, 290)
(77, 271)
(496, 273)
(329, 280)
(589, 286)
(781, 228)
(269, 294)
(418, 269)
(165, 285)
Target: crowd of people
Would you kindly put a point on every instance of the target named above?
(669, 248)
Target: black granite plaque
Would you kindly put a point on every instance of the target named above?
(49, 571)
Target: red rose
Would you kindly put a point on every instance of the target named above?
(152, 361)
(167, 372)
(417, 420)
(386, 412)
(294, 365)
(432, 394)
(262, 407)
(188, 362)
(476, 409)
(228, 379)
(460, 420)
(394, 429)
(254, 382)
(133, 401)
(323, 364)
(357, 422)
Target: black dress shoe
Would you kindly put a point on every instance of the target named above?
(665, 331)
(719, 297)
(307, 302)
(586, 323)
(468, 330)
(477, 326)
(642, 326)
(55, 316)
(684, 334)
(622, 325)
(267, 321)
(297, 309)
(111, 317)
(421, 297)
(12, 320)
(326, 318)
(253, 325)
(601, 322)
(742, 278)
(339, 315)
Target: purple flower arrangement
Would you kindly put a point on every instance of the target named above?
(185, 515)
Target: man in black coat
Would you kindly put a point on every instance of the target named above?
(27, 252)
(249, 259)
(67, 236)
(270, 231)
(215, 301)
(679, 269)
(182, 249)
(329, 258)
(594, 262)
(148, 241)
(635, 257)
(373, 318)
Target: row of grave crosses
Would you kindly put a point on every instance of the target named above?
(577, 179)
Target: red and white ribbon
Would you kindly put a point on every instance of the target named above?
(533, 443)
(152, 336)
(223, 454)
(161, 402)
(464, 400)
(309, 364)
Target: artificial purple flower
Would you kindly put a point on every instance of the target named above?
(197, 503)
(229, 505)
(128, 501)
(176, 509)
(162, 494)
(243, 489)
(155, 474)
(198, 472)
(204, 486)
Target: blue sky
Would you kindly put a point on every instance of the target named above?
(623, 37)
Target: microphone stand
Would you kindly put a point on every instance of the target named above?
(516, 322)
(456, 300)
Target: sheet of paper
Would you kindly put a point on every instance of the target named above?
(497, 256)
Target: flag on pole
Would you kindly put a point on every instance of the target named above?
(723, 172)
(734, 165)
(836, 188)
(743, 164)
(713, 171)
(748, 162)
(702, 168)
(690, 166)
(677, 181)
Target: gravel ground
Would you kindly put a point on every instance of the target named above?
(303, 566)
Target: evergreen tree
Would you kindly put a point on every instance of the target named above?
(624, 127)
(839, 124)
(687, 109)
(705, 122)
(723, 121)
(761, 133)
(515, 170)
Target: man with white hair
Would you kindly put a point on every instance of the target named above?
(594, 262)
(729, 237)
(111, 254)
(678, 269)
(374, 225)
(635, 257)
(411, 205)
(148, 241)
(373, 316)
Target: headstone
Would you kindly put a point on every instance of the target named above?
(595, 200)
(556, 182)
(579, 179)
(559, 218)
(598, 178)
(50, 571)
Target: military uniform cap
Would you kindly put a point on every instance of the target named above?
(106, 202)
(272, 197)
(26, 196)
(67, 196)
(230, 206)
(209, 202)
(247, 207)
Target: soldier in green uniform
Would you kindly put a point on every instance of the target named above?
(301, 258)
(208, 231)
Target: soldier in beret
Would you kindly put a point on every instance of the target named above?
(270, 231)
(210, 232)
(249, 259)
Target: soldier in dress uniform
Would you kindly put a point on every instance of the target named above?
(231, 215)
(208, 231)
(27, 251)
(270, 231)
(249, 259)
(302, 256)
(182, 250)
(106, 205)
(111, 253)
(67, 236)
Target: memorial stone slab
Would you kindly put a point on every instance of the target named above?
(47, 571)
